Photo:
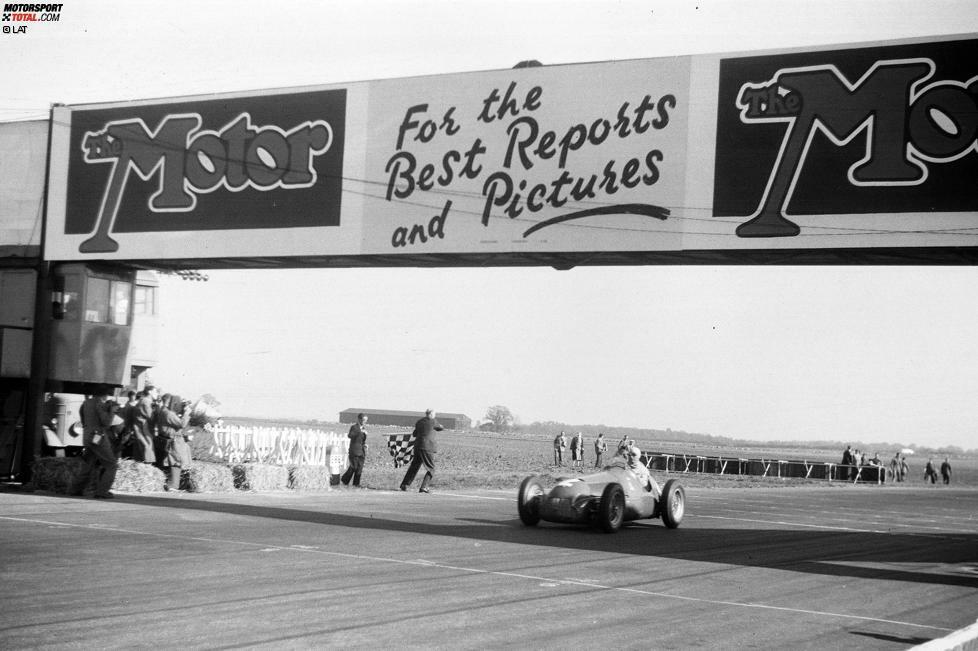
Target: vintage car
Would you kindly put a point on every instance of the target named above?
(607, 498)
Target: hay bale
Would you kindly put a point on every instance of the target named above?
(204, 477)
(64, 475)
(138, 477)
(310, 478)
(260, 477)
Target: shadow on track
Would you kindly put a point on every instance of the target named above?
(834, 553)
(900, 639)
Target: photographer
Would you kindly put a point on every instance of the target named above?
(97, 415)
(177, 454)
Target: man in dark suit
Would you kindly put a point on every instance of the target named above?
(357, 451)
(425, 449)
(946, 471)
(97, 417)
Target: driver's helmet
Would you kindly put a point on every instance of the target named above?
(634, 454)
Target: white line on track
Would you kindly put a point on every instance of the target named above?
(426, 563)
(476, 497)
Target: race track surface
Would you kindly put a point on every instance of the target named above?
(805, 567)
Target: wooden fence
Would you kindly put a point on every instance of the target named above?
(686, 463)
(291, 446)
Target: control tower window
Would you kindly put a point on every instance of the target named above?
(107, 301)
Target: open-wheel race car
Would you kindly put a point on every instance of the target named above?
(608, 498)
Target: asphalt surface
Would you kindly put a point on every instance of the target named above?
(807, 567)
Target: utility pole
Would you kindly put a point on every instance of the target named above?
(37, 383)
(40, 339)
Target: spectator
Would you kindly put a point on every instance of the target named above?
(144, 426)
(425, 449)
(848, 463)
(97, 414)
(904, 468)
(623, 443)
(358, 451)
(117, 431)
(930, 473)
(577, 450)
(600, 447)
(946, 471)
(895, 467)
(560, 444)
(177, 453)
(128, 413)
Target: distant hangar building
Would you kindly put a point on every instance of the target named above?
(405, 418)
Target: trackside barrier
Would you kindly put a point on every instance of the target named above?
(273, 445)
(720, 465)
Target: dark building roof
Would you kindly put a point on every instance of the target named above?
(405, 418)
(394, 412)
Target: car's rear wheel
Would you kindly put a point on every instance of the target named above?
(528, 500)
(611, 509)
(674, 503)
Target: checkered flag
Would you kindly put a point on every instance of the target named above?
(401, 447)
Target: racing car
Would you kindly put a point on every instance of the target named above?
(608, 498)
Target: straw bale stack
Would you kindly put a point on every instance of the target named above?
(204, 477)
(62, 475)
(260, 477)
(138, 477)
(310, 478)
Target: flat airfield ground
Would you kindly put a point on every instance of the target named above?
(809, 567)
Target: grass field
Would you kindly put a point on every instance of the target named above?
(487, 460)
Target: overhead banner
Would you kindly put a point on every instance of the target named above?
(856, 147)
(849, 148)
(198, 177)
(570, 159)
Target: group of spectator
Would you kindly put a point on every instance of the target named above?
(898, 469)
(577, 445)
(626, 452)
(930, 474)
(148, 428)
(858, 458)
(855, 459)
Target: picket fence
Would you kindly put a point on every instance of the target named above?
(290, 446)
(686, 463)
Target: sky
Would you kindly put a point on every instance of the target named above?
(763, 353)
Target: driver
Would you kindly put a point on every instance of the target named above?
(633, 457)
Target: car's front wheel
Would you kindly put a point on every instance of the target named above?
(528, 500)
(611, 509)
(673, 503)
